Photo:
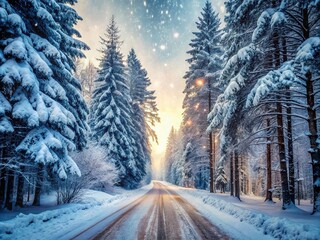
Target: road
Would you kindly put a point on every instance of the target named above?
(159, 214)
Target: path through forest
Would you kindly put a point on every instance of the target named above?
(160, 214)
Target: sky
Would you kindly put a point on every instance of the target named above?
(160, 32)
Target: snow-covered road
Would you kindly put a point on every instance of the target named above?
(161, 211)
(160, 214)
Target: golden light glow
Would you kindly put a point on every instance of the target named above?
(200, 82)
(189, 122)
(197, 106)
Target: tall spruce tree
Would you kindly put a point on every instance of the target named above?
(168, 154)
(144, 111)
(112, 111)
(200, 90)
(42, 113)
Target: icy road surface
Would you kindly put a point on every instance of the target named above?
(160, 214)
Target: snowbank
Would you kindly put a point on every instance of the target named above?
(57, 224)
(23, 220)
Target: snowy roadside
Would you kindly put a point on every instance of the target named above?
(245, 222)
(68, 221)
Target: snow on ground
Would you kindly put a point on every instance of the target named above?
(48, 202)
(61, 221)
(251, 217)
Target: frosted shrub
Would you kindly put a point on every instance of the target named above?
(96, 173)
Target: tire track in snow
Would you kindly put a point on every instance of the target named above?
(198, 223)
(161, 214)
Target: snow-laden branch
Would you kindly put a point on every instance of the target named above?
(287, 74)
(273, 81)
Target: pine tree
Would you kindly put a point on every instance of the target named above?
(144, 111)
(221, 179)
(112, 111)
(42, 113)
(175, 159)
(168, 154)
(188, 154)
(200, 90)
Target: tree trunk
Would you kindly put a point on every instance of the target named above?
(269, 167)
(313, 136)
(236, 175)
(290, 149)
(29, 189)
(2, 178)
(9, 194)
(231, 176)
(211, 163)
(289, 129)
(39, 182)
(286, 199)
(211, 157)
(20, 189)
(2, 186)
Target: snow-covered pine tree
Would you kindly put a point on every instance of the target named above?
(42, 112)
(168, 160)
(221, 179)
(200, 90)
(137, 86)
(112, 111)
(144, 111)
(174, 171)
(151, 114)
(187, 156)
(177, 168)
